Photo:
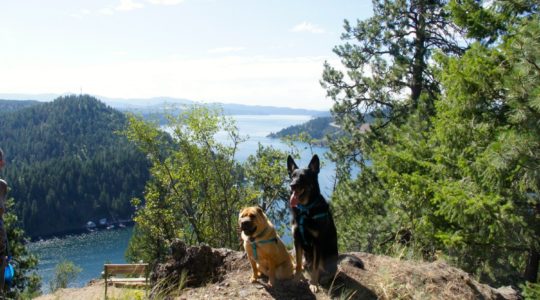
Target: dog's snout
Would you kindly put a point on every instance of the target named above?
(294, 183)
(245, 225)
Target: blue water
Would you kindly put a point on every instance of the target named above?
(90, 251)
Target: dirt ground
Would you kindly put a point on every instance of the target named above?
(381, 278)
(94, 291)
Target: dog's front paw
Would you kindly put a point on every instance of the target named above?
(314, 288)
(253, 279)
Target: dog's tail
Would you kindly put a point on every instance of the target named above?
(351, 260)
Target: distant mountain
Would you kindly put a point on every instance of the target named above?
(144, 103)
(37, 97)
(157, 112)
(157, 107)
(13, 105)
(241, 109)
(67, 165)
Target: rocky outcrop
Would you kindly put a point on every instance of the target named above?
(201, 264)
(224, 274)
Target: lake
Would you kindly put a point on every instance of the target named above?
(91, 250)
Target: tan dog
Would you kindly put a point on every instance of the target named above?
(265, 250)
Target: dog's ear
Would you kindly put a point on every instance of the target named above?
(314, 164)
(291, 165)
(260, 210)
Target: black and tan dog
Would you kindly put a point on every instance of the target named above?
(265, 250)
(314, 231)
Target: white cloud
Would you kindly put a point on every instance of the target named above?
(165, 2)
(226, 49)
(126, 5)
(307, 27)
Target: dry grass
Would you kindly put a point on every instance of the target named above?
(391, 278)
(95, 291)
(383, 277)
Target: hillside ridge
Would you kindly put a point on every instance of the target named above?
(220, 273)
(66, 159)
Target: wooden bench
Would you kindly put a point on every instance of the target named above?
(134, 275)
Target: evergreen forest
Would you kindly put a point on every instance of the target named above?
(450, 165)
(67, 164)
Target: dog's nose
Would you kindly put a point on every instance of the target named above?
(246, 225)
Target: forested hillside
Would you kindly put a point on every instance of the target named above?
(317, 128)
(7, 106)
(66, 164)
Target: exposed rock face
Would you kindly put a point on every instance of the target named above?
(202, 264)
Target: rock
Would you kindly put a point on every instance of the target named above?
(508, 292)
(226, 273)
(202, 265)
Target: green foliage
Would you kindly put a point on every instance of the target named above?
(66, 160)
(143, 246)
(487, 21)
(26, 281)
(7, 106)
(266, 176)
(451, 173)
(64, 273)
(530, 291)
(487, 144)
(387, 81)
(196, 189)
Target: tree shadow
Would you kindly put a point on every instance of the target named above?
(477, 293)
(341, 287)
(291, 289)
(345, 287)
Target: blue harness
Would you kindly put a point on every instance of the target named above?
(303, 214)
(254, 242)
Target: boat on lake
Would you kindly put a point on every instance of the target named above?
(90, 226)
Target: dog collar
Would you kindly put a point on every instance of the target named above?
(304, 212)
(306, 208)
(254, 243)
(258, 235)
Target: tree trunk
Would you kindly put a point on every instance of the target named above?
(418, 64)
(531, 269)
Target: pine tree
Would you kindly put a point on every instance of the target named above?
(388, 78)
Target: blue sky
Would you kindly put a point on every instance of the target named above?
(234, 51)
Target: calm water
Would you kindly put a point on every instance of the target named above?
(90, 251)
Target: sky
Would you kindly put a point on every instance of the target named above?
(257, 52)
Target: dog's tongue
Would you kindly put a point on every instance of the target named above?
(294, 199)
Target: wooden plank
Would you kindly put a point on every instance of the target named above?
(130, 285)
(138, 279)
(113, 269)
(126, 269)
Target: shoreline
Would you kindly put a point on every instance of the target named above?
(77, 231)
